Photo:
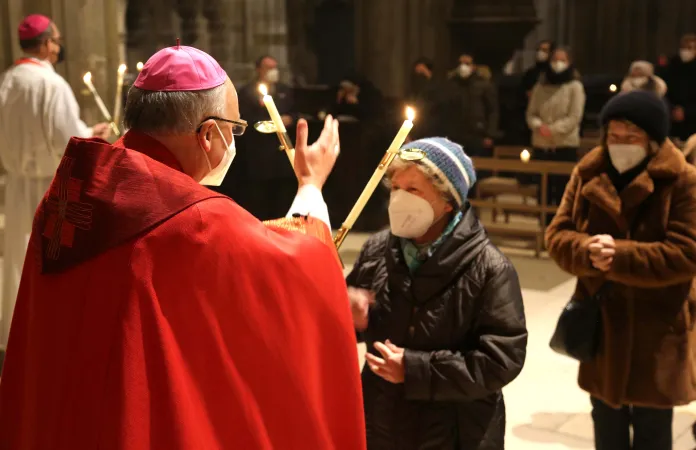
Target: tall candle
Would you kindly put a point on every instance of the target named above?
(377, 176)
(272, 109)
(279, 125)
(87, 78)
(119, 94)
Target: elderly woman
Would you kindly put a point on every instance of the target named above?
(641, 76)
(628, 217)
(441, 310)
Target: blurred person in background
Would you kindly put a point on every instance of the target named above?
(641, 76)
(680, 76)
(262, 181)
(471, 113)
(627, 223)
(555, 112)
(441, 312)
(540, 67)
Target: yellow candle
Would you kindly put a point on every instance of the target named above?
(272, 110)
(87, 78)
(381, 169)
(119, 93)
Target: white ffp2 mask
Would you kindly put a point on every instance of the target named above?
(272, 76)
(410, 216)
(217, 174)
(687, 55)
(625, 157)
(559, 66)
(464, 70)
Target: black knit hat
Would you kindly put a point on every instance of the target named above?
(642, 108)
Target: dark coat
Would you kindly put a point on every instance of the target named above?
(681, 91)
(461, 320)
(468, 110)
(647, 353)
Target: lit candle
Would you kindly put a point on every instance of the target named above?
(272, 110)
(282, 133)
(377, 176)
(119, 93)
(613, 88)
(525, 155)
(139, 66)
(100, 103)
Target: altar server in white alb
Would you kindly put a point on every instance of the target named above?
(38, 116)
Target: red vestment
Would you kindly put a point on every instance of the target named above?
(154, 313)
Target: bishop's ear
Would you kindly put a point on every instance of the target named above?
(205, 135)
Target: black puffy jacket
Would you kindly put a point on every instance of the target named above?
(461, 320)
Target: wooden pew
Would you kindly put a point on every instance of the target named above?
(542, 168)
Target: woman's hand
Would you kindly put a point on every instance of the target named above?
(545, 131)
(602, 248)
(360, 302)
(391, 368)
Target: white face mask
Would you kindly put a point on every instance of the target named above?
(559, 66)
(464, 70)
(686, 55)
(542, 56)
(625, 157)
(410, 216)
(272, 76)
(217, 174)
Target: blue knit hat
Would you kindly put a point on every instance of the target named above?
(449, 162)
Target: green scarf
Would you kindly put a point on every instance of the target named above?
(416, 255)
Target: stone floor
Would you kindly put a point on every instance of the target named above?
(545, 408)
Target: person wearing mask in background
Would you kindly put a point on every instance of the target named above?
(541, 66)
(440, 309)
(680, 75)
(263, 181)
(422, 95)
(472, 111)
(627, 222)
(641, 76)
(555, 112)
(38, 116)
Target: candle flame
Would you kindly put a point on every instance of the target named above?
(139, 66)
(613, 88)
(122, 69)
(87, 78)
(410, 113)
(263, 89)
(525, 155)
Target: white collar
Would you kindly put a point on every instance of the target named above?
(43, 62)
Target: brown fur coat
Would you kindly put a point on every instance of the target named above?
(648, 352)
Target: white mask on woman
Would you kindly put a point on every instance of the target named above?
(625, 157)
(464, 70)
(687, 55)
(217, 174)
(272, 76)
(542, 55)
(639, 82)
(410, 216)
(559, 66)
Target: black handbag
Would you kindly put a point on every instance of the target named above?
(579, 328)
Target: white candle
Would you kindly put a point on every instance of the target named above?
(87, 78)
(272, 110)
(377, 176)
(119, 93)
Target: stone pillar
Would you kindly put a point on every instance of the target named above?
(388, 39)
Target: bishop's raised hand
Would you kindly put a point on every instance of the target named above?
(314, 163)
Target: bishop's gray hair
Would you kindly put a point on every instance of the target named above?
(175, 112)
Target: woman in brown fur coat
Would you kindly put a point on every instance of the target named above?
(628, 216)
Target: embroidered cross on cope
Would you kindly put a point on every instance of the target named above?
(64, 211)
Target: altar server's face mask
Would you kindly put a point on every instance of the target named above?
(217, 174)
